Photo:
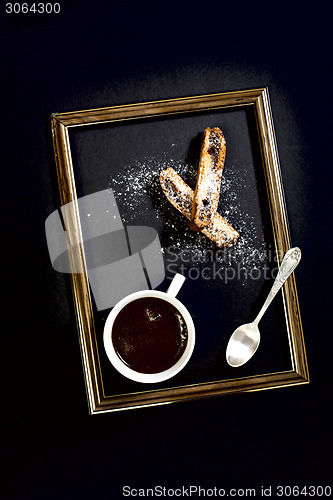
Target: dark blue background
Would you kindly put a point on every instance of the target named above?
(103, 53)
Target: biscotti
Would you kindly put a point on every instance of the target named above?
(180, 195)
(207, 191)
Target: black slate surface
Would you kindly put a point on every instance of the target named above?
(114, 53)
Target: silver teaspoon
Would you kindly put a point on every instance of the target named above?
(244, 342)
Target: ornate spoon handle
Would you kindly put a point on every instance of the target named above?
(289, 263)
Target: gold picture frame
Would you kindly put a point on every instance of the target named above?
(61, 123)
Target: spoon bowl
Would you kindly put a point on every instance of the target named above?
(245, 340)
(243, 344)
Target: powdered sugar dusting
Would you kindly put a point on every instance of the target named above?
(141, 201)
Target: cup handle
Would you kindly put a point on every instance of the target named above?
(175, 285)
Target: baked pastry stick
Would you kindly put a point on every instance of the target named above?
(181, 195)
(207, 191)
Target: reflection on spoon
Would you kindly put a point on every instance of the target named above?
(244, 342)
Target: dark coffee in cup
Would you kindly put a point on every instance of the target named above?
(149, 335)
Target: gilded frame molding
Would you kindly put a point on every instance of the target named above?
(60, 124)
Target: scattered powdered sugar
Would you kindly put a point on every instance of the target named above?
(141, 201)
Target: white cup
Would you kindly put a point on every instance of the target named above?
(168, 296)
